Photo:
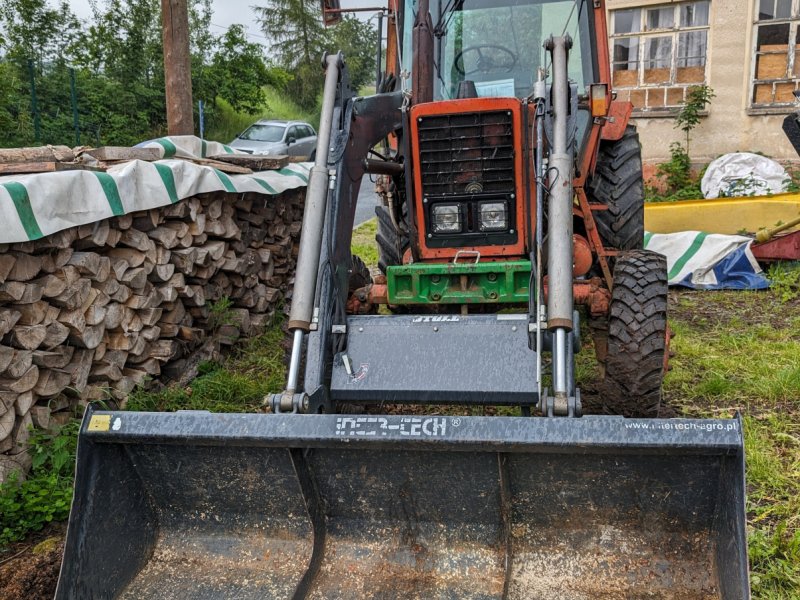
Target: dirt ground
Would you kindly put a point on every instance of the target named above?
(29, 570)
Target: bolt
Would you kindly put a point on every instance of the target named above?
(493, 295)
(424, 200)
(512, 231)
(435, 278)
(430, 235)
(436, 297)
(305, 403)
(492, 276)
(512, 196)
(435, 329)
(361, 329)
(514, 328)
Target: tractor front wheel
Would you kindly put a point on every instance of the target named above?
(392, 244)
(637, 335)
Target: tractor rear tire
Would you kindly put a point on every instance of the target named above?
(392, 244)
(618, 182)
(637, 335)
(359, 274)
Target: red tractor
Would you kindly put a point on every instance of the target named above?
(512, 196)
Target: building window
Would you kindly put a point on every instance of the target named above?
(776, 72)
(659, 52)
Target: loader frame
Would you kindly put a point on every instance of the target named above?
(364, 505)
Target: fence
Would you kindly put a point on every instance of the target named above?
(42, 104)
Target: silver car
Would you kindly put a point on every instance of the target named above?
(273, 138)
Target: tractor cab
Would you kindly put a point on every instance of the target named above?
(489, 49)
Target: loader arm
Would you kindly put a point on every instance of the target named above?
(366, 121)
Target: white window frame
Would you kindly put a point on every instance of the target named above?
(643, 35)
(793, 20)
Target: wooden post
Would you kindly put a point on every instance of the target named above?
(177, 66)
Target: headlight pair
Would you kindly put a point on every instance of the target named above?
(491, 216)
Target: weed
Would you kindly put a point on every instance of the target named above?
(785, 281)
(45, 495)
(221, 313)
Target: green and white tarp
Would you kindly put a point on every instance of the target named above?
(708, 261)
(188, 146)
(37, 205)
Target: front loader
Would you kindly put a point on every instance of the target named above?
(511, 221)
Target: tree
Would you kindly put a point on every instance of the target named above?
(357, 41)
(34, 31)
(298, 40)
(119, 70)
(238, 71)
(37, 41)
(697, 99)
(297, 37)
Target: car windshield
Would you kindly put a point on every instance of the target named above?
(263, 133)
(499, 44)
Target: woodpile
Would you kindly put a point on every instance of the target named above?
(91, 312)
(62, 158)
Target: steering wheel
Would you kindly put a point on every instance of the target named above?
(485, 62)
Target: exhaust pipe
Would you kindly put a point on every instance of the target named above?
(302, 310)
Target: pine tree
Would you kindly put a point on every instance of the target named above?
(297, 36)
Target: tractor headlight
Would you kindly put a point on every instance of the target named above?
(493, 216)
(447, 218)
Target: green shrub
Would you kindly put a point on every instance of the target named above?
(46, 494)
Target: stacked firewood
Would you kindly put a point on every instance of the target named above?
(93, 311)
(48, 159)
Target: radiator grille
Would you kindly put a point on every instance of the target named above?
(467, 153)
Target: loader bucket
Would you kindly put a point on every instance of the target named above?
(199, 505)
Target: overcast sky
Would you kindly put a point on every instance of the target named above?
(230, 12)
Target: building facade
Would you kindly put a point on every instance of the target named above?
(747, 51)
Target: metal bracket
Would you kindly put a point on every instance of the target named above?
(552, 406)
(472, 253)
(287, 403)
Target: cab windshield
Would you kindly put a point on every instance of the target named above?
(498, 45)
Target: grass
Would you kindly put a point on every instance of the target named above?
(228, 123)
(255, 369)
(740, 351)
(363, 243)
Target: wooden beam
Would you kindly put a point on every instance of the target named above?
(177, 66)
(256, 163)
(43, 167)
(38, 154)
(123, 153)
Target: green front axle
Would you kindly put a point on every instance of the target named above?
(460, 283)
